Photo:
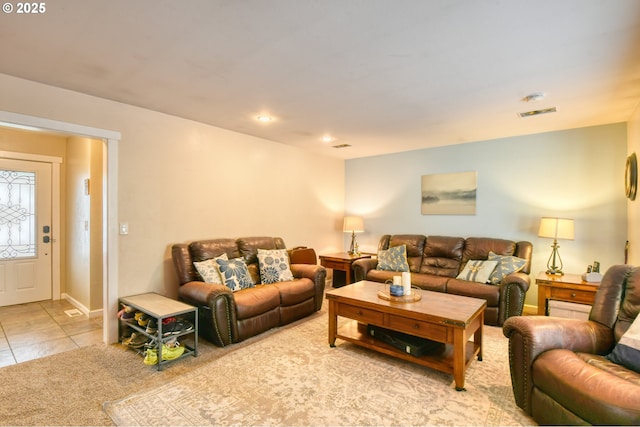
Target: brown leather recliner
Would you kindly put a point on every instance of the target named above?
(559, 371)
(227, 317)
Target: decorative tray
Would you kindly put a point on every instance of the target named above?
(413, 297)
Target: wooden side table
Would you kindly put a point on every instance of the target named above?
(341, 263)
(569, 288)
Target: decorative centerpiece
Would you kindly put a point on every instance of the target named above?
(400, 290)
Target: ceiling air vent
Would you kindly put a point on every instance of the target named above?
(538, 112)
(341, 146)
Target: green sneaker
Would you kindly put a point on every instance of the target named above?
(171, 353)
(151, 357)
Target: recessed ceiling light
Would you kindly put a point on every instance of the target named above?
(263, 118)
(536, 96)
(328, 139)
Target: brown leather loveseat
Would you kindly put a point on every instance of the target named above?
(560, 371)
(436, 261)
(227, 317)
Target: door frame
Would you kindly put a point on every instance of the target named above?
(109, 204)
(55, 210)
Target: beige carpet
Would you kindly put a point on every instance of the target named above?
(293, 377)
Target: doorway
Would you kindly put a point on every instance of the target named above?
(25, 232)
(109, 203)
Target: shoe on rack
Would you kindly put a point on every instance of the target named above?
(150, 357)
(136, 340)
(151, 327)
(171, 353)
(177, 327)
(127, 314)
(142, 318)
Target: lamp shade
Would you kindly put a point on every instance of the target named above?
(556, 228)
(353, 224)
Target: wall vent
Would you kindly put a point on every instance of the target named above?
(341, 146)
(538, 112)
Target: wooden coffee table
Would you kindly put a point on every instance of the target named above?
(449, 319)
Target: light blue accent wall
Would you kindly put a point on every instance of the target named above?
(576, 173)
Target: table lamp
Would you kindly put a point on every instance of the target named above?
(353, 225)
(555, 228)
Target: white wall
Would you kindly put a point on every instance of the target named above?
(181, 180)
(576, 173)
(633, 207)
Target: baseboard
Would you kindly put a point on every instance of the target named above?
(530, 310)
(77, 304)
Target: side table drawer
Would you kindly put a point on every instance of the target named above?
(337, 265)
(418, 328)
(584, 297)
(360, 314)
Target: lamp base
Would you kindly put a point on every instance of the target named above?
(555, 271)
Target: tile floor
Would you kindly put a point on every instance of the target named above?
(39, 329)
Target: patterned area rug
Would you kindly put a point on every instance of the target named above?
(292, 377)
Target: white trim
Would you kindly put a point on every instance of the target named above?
(30, 157)
(56, 256)
(38, 123)
(110, 205)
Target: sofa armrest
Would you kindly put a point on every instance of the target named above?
(317, 274)
(529, 336)
(513, 290)
(362, 266)
(219, 300)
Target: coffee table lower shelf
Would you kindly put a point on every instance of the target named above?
(440, 359)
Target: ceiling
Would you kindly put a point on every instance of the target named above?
(382, 76)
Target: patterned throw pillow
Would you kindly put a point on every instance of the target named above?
(274, 266)
(477, 271)
(627, 350)
(208, 269)
(506, 266)
(235, 274)
(393, 259)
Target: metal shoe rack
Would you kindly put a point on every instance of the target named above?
(159, 308)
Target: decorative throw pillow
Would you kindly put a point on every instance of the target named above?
(208, 269)
(235, 274)
(477, 270)
(274, 266)
(506, 265)
(393, 259)
(627, 350)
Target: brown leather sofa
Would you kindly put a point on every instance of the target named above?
(227, 317)
(436, 261)
(559, 372)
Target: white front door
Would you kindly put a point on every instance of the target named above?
(25, 231)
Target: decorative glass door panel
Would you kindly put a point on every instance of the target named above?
(17, 214)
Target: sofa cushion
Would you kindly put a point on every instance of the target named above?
(209, 270)
(206, 249)
(393, 259)
(234, 273)
(465, 288)
(477, 271)
(274, 266)
(479, 248)
(627, 350)
(256, 301)
(565, 377)
(415, 248)
(295, 291)
(506, 265)
(442, 256)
